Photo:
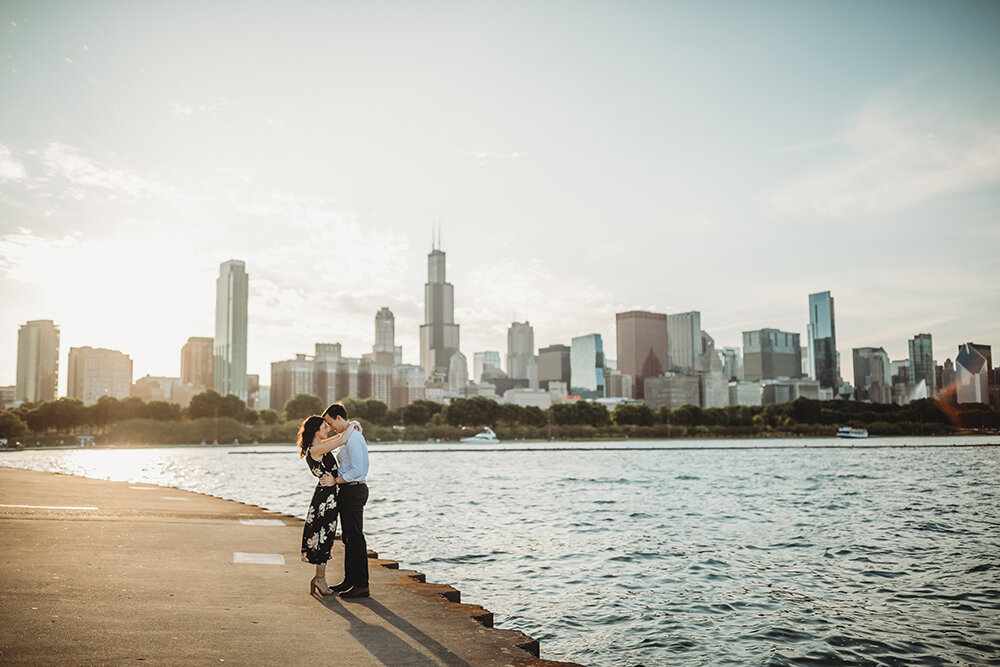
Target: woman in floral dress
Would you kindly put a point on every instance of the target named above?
(321, 520)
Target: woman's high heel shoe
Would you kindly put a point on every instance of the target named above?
(314, 588)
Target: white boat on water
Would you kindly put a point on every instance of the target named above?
(848, 432)
(486, 437)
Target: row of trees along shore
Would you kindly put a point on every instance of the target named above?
(213, 417)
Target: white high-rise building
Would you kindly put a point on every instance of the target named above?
(98, 372)
(232, 295)
(37, 362)
(586, 362)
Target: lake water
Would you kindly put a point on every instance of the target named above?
(672, 552)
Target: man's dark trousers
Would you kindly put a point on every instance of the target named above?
(351, 506)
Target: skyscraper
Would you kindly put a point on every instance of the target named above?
(232, 292)
(520, 349)
(684, 333)
(482, 361)
(872, 375)
(972, 373)
(642, 346)
(587, 366)
(458, 372)
(37, 361)
(98, 372)
(385, 352)
(553, 365)
(439, 333)
(922, 362)
(769, 354)
(198, 362)
(823, 340)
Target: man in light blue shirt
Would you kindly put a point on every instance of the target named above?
(352, 494)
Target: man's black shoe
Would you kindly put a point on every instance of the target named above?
(342, 586)
(356, 592)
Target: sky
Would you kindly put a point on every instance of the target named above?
(579, 158)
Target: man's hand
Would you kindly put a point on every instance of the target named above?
(326, 479)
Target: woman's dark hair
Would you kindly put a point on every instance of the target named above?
(307, 432)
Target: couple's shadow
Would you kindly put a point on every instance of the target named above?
(382, 643)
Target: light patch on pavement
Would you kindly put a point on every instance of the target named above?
(262, 522)
(175, 498)
(258, 559)
(145, 488)
(48, 507)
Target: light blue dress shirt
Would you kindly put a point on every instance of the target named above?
(353, 457)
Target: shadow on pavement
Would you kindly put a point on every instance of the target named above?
(382, 643)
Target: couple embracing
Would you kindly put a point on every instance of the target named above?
(341, 464)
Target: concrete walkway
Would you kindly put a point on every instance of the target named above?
(99, 573)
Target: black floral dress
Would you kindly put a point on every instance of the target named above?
(321, 520)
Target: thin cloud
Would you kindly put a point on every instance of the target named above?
(895, 158)
(10, 168)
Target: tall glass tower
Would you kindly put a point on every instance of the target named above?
(232, 291)
(922, 361)
(586, 360)
(823, 341)
(439, 333)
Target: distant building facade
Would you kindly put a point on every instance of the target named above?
(872, 375)
(439, 335)
(642, 347)
(823, 341)
(553, 365)
(37, 362)
(150, 388)
(922, 362)
(458, 372)
(198, 361)
(481, 361)
(769, 354)
(972, 372)
(232, 295)
(672, 390)
(97, 372)
(520, 350)
(732, 363)
(684, 336)
(586, 378)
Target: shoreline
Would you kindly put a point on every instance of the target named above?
(834, 443)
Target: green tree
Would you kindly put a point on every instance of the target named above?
(67, 414)
(686, 415)
(211, 403)
(269, 417)
(420, 412)
(99, 414)
(371, 410)
(301, 406)
(163, 411)
(473, 411)
(635, 414)
(11, 426)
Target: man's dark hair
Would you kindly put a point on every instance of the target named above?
(336, 410)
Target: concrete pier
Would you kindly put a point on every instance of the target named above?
(95, 572)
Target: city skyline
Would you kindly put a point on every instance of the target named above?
(728, 159)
